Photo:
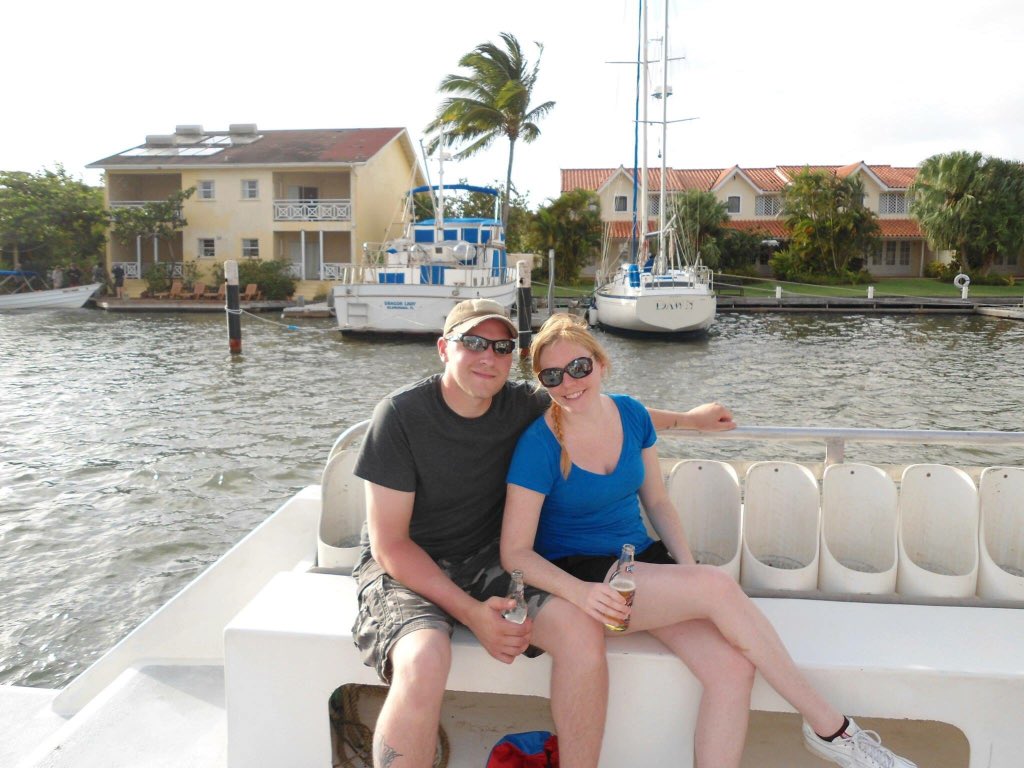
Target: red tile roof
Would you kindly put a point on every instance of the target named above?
(899, 228)
(765, 179)
(623, 230)
(328, 145)
(769, 227)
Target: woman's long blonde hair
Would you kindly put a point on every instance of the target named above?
(563, 327)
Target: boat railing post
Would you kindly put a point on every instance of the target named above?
(835, 451)
(524, 308)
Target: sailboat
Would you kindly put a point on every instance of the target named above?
(668, 291)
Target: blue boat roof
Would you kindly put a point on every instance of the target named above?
(465, 187)
(432, 222)
(22, 272)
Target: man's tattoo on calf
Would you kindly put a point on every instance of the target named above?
(386, 754)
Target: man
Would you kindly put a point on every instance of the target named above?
(118, 273)
(435, 460)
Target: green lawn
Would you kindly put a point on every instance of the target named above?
(893, 286)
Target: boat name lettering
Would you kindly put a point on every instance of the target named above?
(672, 305)
(399, 304)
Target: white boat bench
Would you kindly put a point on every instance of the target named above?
(291, 646)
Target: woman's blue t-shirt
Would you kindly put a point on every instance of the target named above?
(586, 513)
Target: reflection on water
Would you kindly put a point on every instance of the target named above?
(135, 450)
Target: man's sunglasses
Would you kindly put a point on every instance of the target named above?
(579, 368)
(479, 343)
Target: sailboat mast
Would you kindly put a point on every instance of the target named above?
(643, 119)
(662, 255)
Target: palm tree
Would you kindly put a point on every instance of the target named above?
(944, 200)
(491, 101)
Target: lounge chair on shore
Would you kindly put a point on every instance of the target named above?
(217, 295)
(251, 293)
(177, 292)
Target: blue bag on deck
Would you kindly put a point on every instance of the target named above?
(534, 749)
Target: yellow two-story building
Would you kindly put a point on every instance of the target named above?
(310, 197)
(753, 198)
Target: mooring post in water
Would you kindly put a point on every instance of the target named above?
(551, 282)
(234, 310)
(524, 309)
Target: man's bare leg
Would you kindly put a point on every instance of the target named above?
(406, 733)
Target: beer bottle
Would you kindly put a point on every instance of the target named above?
(623, 583)
(516, 615)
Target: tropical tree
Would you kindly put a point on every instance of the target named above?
(972, 204)
(830, 225)
(491, 100)
(50, 218)
(160, 219)
(571, 225)
(699, 221)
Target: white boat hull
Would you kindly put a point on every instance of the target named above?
(56, 298)
(409, 308)
(655, 310)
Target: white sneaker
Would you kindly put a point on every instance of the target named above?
(854, 749)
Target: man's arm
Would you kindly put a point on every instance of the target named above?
(710, 417)
(388, 513)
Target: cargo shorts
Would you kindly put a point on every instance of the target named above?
(388, 610)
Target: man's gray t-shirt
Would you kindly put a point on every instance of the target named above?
(456, 466)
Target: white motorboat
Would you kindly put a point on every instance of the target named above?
(409, 285)
(670, 292)
(18, 290)
(898, 589)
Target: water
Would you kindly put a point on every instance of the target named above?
(134, 450)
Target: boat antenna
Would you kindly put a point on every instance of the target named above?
(430, 184)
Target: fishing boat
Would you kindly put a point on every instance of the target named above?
(408, 285)
(670, 291)
(23, 289)
(897, 589)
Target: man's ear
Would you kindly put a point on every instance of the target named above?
(442, 348)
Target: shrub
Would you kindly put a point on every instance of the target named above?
(273, 277)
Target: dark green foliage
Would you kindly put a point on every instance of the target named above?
(160, 219)
(739, 251)
(831, 230)
(699, 223)
(571, 224)
(273, 277)
(972, 204)
(50, 218)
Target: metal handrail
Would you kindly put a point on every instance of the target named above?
(835, 438)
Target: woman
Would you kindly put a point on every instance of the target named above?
(575, 483)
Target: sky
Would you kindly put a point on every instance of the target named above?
(789, 82)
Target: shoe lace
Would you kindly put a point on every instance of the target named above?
(869, 744)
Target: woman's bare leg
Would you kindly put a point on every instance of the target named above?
(727, 677)
(670, 594)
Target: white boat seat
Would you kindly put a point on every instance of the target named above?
(781, 522)
(938, 532)
(1001, 533)
(707, 496)
(342, 512)
(858, 530)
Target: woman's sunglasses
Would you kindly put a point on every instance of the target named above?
(579, 368)
(479, 343)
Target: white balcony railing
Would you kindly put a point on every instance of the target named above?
(133, 271)
(312, 210)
